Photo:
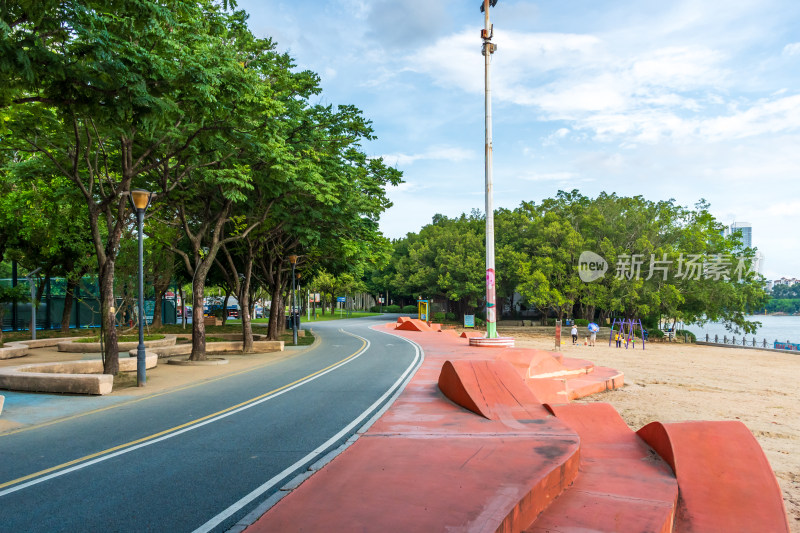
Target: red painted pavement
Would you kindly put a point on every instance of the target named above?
(429, 465)
(479, 452)
(726, 482)
(622, 485)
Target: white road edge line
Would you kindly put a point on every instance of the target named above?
(237, 506)
(251, 518)
(80, 466)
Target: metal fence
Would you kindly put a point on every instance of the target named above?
(85, 311)
(744, 341)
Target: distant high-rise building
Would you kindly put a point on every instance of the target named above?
(745, 230)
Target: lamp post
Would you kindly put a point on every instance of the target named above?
(293, 261)
(140, 200)
(300, 290)
(487, 50)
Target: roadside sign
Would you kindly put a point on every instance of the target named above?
(341, 299)
(469, 321)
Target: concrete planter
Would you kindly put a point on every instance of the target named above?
(94, 347)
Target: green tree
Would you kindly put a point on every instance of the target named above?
(118, 98)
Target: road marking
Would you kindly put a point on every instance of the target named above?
(237, 506)
(94, 458)
(156, 395)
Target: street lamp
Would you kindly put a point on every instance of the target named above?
(487, 50)
(140, 200)
(293, 261)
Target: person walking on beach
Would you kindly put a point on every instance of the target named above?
(574, 333)
(593, 329)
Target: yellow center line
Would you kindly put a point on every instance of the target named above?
(176, 428)
(157, 394)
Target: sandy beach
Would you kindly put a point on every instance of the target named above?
(675, 382)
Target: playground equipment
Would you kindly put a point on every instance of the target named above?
(422, 310)
(627, 330)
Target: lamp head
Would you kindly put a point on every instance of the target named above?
(293, 259)
(141, 198)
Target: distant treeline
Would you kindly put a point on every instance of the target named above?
(783, 305)
(581, 257)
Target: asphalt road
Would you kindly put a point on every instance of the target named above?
(203, 458)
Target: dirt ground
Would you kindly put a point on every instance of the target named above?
(676, 382)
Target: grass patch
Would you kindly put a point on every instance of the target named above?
(178, 329)
(320, 318)
(122, 338)
(12, 336)
(307, 340)
(124, 380)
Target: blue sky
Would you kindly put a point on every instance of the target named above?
(683, 99)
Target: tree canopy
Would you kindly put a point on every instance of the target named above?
(662, 260)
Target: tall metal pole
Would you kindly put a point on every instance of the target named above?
(141, 378)
(294, 300)
(491, 305)
(32, 286)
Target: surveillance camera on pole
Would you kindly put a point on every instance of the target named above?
(491, 301)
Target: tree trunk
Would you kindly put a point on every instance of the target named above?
(198, 321)
(69, 297)
(273, 331)
(244, 308)
(282, 315)
(225, 305)
(183, 306)
(109, 330)
(159, 296)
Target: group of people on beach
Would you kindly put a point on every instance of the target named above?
(593, 329)
(619, 337)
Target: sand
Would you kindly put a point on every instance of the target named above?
(675, 382)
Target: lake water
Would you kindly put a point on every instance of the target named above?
(781, 328)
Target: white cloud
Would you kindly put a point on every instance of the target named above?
(791, 49)
(790, 208)
(446, 153)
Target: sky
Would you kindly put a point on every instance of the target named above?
(685, 99)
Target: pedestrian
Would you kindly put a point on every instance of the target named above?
(574, 334)
(618, 339)
(593, 329)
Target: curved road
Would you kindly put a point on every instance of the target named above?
(203, 458)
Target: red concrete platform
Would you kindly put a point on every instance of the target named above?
(726, 482)
(430, 465)
(622, 485)
(468, 446)
(492, 342)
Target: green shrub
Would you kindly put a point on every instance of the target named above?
(581, 322)
(375, 309)
(410, 309)
(479, 322)
(679, 334)
(450, 316)
(439, 317)
(655, 333)
(393, 309)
